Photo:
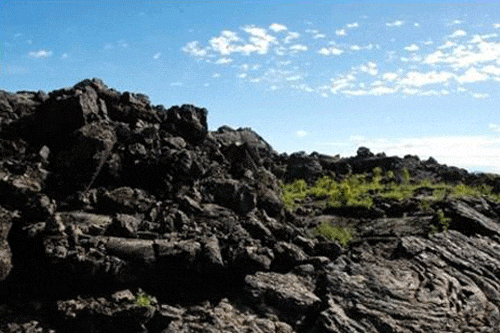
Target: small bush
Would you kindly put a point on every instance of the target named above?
(143, 300)
(343, 235)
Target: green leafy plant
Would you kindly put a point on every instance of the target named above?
(341, 234)
(143, 300)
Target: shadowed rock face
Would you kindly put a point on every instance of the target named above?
(106, 199)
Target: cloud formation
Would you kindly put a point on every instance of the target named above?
(423, 67)
(396, 23)
(40, 54)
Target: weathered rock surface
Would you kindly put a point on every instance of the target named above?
(106, 199)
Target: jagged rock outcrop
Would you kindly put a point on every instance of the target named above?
(106, 199)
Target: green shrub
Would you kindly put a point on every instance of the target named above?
(343, 235)
(143, 300)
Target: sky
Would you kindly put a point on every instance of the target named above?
(420, 79)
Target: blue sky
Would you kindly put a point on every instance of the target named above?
(400, 78)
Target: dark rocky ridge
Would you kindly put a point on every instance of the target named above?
(103, 194)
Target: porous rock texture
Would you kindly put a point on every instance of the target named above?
(120, 216)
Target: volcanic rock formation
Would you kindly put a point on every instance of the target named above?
(120, 216)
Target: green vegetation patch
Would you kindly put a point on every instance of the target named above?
(341, 234)
(361, 189)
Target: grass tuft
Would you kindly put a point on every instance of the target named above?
(343, 235)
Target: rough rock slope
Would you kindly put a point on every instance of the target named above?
(120, 216)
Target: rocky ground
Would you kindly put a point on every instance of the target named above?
(120, 216)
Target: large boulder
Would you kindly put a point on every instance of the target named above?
(188, 122)
(66, 111)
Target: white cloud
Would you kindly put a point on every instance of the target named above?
(64, 56)
(259, 38)
(457, 22)
(224, 61)
(317, 36)
(420, 79)
(491, 70)
(281, 50)
(359, 92)
(397, 23)
(429, 93)
(416, 24)
(215, 75)
(480, 96)
(41, 54)
(467, 55)
(342, 83)
(447, 45)
(290, 37)
(412, 48)
(301, 133)
(352, 25)
(472, 75)
(496, 25)
(223, 43)
(390, 76)
(366, 47)
(294, 78)
(410, 91)
(276, 27)
(476, 39)
(298, 48)
(411, 58)
(330, 51)
(369, 68)
(229, 42)
(382, 90)
(340, 32)
(458, 33)
(242, 75)
(494, 35)
(494, 127)
(303, 87)
(157, 56)
(194, 49)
